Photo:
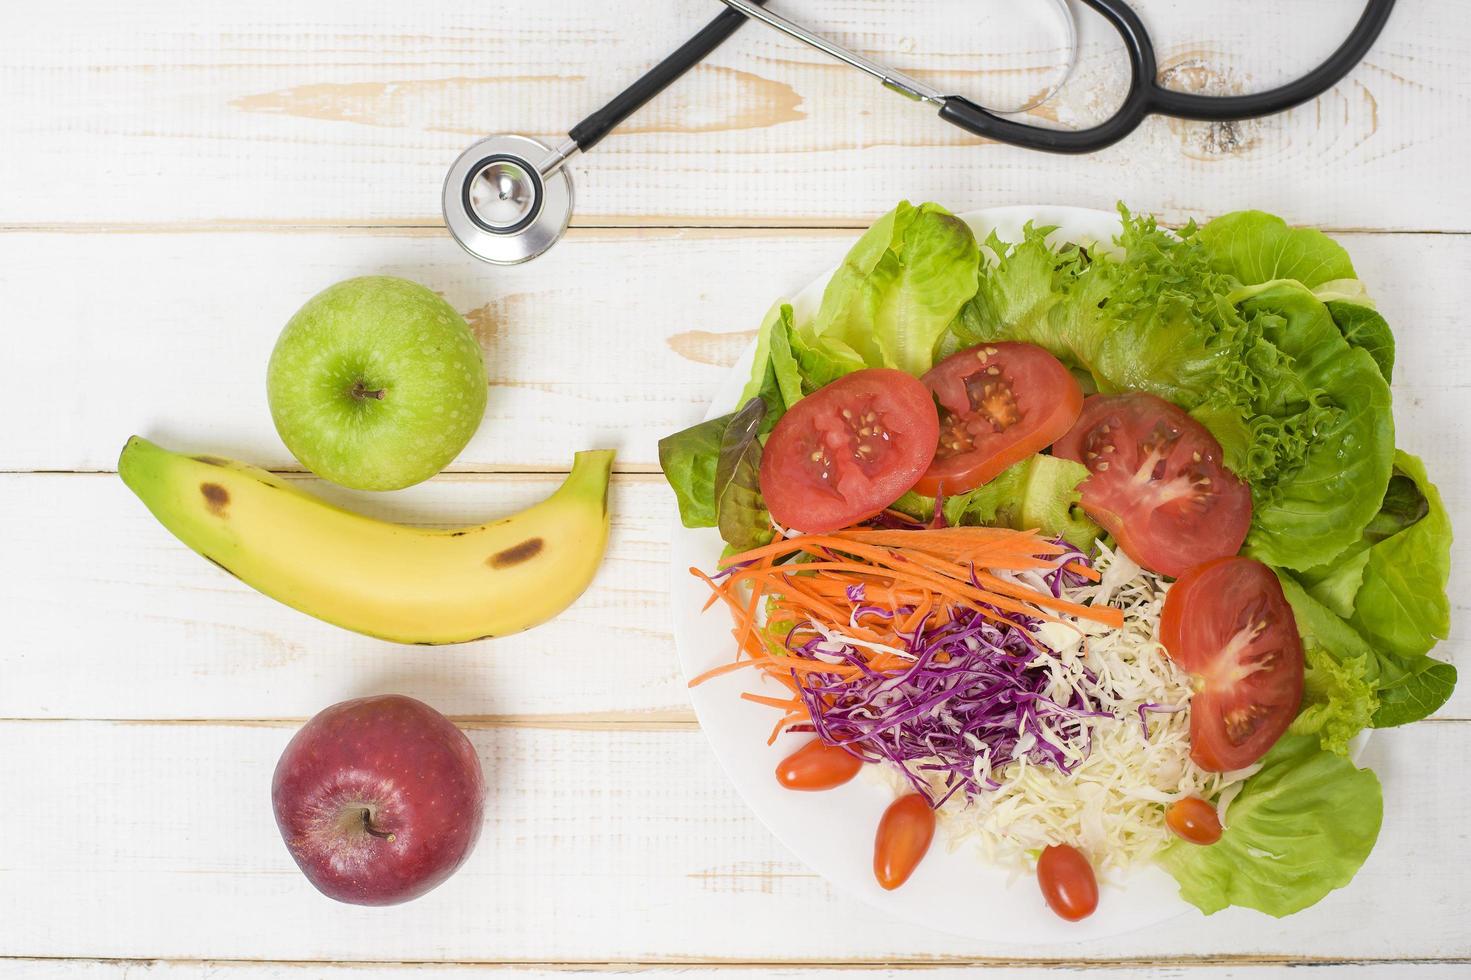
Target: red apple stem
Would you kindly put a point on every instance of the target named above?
(368, 826)
(360, 391)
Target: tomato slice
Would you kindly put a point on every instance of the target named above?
(1156, 482)
(1228, 623)
(999, 404)
(848, 450)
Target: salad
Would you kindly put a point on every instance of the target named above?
(1100, 555)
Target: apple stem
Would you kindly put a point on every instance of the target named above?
(368, 826)
(360, 391)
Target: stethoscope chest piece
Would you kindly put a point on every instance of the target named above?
(497, 204)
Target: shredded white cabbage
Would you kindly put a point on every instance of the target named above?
(1111, 806)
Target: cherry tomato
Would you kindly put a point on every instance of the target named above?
(999, 404)
(903, 837)
(848, 450)
(1193, 819)
(1067, 882)
(1229, 625)
(818, 765)
(1156, 482)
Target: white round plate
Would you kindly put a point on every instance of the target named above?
(832, 832)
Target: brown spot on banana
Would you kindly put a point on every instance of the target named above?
(216, 498)
(516, 554)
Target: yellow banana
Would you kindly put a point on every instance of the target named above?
(407, 584)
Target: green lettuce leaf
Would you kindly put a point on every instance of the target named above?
(1322, 500)
(688, 459)
(1257, 247)
(1401, 604)
(1040, 492)
(768, 367)
(1413, 689)
(784, 366)
(1391, 583)
(762, 374)
(739, 511)
(1407, 688)
(1363, 327)
(823, 361)
(1301, 827)
(915, 505)
(790, 367)
(898, 289)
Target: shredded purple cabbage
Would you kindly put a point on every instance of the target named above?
(975, 691)
(1167, 709)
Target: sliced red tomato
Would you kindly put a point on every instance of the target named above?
(848, 450)
(999, 404)
(1156, 482)
(1228, 624)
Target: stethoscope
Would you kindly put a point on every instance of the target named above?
(508, 199)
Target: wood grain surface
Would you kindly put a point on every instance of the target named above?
(177, 178)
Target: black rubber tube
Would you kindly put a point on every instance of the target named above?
(1147, 96)
(1216, 108)
(591, 130)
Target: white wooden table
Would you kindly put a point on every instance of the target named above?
(176, 177)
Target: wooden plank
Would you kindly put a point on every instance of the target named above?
(583, 349)
(156, 841)
(165, 970)
(616, 338)
(350, 113)
(101, 599)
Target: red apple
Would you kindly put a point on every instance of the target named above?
(378, 799)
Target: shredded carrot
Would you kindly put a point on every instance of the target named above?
(791, 704)
(1091, 574)
(910, 580)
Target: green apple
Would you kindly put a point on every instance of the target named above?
(376, 383)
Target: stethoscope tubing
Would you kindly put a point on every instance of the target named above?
(588, 133)
(546, 221)
(1146, 96)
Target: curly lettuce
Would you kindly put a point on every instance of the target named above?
(1302, 414)
(1338, 699)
